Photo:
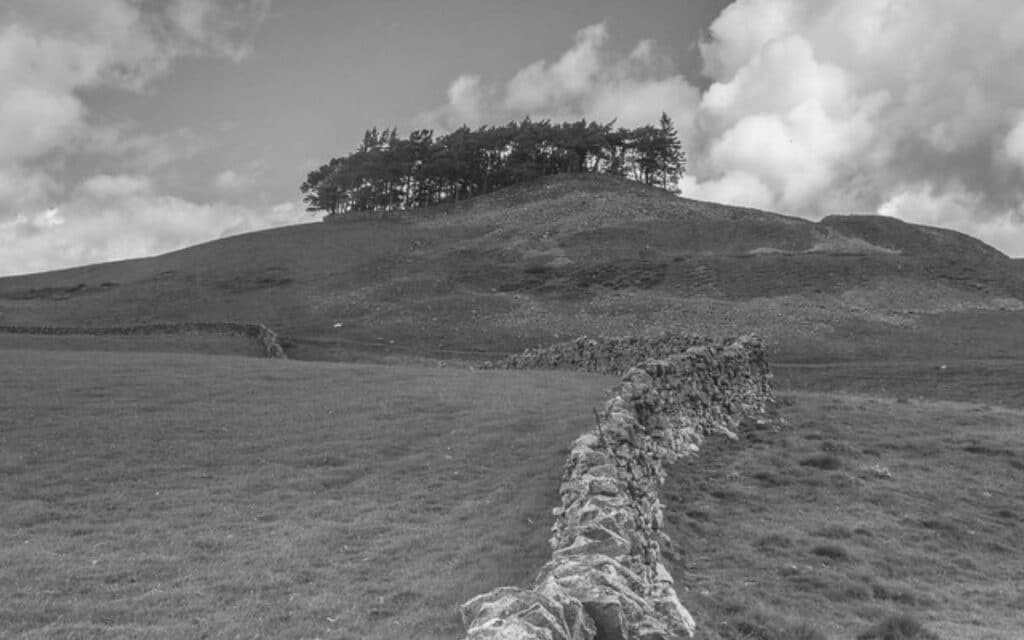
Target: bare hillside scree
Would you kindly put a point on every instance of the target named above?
(605, 578)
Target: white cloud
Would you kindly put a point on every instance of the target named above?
(736, 187)
(119, 217)
(51, 51)
(286, 209)
(137, 150)
(923, 203)
(465, 97)
(107, 187)
(230, 181)
(1014, 143)
(539, 86)
(836, 106)
(741, 30)
(588, 80)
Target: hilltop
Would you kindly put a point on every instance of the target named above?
(558, 257)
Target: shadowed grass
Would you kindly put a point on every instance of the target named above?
(168, 496)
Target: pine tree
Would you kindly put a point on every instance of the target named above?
(672, 159)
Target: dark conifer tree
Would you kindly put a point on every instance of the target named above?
(672, 159)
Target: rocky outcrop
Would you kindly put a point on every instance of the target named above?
(265, 337)
(605, 579)
(604, 354)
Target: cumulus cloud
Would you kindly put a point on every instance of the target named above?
(107, 187)
(1014, 144)
(138, 150)
(50, 53)
(118, 217)
(541, 86)
(923, 203)
(588, 80)
(231, 181)
(899, 107)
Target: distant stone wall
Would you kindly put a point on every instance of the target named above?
(265, 337)
(605, 579)
(603, 354)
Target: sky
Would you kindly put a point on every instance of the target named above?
(130, 128)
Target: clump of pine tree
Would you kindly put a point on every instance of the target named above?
(388, 173)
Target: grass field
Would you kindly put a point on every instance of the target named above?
(862, 510)
(206, 343)
(169, 496)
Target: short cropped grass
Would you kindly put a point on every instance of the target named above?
(172, 496)
(863, 517)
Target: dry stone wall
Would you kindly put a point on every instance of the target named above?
(614, 355)
(265, 337)
(606, 579)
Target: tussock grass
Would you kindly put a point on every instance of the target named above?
(831, 552)
(169, 496)
(834, 531)
(823, 461)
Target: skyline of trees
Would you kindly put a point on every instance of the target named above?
(388, 173)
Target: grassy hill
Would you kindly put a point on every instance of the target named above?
(560, 257)
(168, 495)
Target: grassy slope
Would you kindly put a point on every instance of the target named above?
(170, 496)
(560, 257)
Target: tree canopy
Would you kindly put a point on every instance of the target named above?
(388, 173)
